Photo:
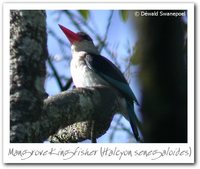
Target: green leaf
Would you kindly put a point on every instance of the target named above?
(124, 15)
(136, 57)
(84, 14)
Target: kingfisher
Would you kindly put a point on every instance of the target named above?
(89, 69)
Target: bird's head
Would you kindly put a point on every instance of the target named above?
(79, 41)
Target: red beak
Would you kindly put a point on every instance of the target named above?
(73, 37)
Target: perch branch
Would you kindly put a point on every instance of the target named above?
(74, 110)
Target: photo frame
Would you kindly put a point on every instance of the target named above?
(106, 153)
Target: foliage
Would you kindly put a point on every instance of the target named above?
(124, 15)
(84, 13)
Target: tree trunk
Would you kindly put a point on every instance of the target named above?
(162, 54)
(28, 52)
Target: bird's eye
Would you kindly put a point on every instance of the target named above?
(84, 36)
(87, 38)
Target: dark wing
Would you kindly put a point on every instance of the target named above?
(109, 72)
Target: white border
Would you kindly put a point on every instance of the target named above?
(78, 158)
(99, 5)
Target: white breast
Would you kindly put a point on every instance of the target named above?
(82, 75)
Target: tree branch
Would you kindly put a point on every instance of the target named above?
(93, 134)
(75, 110)
(58, 80)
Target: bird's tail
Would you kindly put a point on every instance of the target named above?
(135, 123)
